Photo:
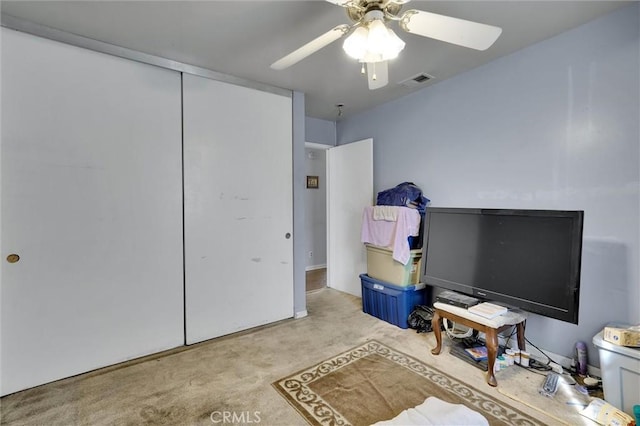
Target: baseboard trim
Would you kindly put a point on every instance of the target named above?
(300, 314)
(314, 267)
(560, 359)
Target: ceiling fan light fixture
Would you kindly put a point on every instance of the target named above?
(373, 42)
(393, 45)
(371, 58)
(356, 44)
(377, 38)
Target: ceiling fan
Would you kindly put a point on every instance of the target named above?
(373, 43)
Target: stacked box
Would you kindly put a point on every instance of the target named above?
(382, 266)
(389, 302)
(623, 335)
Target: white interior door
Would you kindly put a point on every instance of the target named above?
(350, 182)
(92, 204)
(238, 207)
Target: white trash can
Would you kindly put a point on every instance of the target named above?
(620, 366)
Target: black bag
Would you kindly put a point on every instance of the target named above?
(420, 318)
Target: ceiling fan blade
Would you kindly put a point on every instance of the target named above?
(377, 74)
(452, 30)
(311, 47)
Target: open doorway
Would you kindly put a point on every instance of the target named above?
(316, 216)
(345, 191)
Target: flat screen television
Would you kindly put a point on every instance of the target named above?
(529, 259)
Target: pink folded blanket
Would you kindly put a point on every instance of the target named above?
(391, 234)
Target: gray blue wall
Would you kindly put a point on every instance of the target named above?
(316, 209)
(553, 126)
(320, 131)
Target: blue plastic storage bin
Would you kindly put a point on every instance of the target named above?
(390, 302)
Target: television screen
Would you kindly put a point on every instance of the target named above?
(528, 259)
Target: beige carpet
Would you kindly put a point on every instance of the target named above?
(374, 382)
(234, 374)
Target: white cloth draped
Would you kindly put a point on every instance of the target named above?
(392, 234)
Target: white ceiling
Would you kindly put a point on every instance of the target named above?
(243, 38)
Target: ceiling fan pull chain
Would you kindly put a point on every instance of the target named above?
(374, 77)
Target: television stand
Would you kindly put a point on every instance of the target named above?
(490, 327)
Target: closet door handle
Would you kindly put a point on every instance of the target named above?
(287, 235)
(13, 258)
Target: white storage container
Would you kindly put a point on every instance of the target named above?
(382, 266)
(620, 366)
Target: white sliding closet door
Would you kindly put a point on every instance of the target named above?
(238, 207)
(91, 202)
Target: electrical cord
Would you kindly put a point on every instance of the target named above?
(534, 365)
(549, 359)
(537, 365)
(453, 335)
(508, 339)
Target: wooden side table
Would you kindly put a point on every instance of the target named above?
(490, 327)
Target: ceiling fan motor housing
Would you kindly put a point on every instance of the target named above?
(360, 8)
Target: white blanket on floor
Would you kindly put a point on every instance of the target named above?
(434, 411)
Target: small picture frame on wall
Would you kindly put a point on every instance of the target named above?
(312, 182)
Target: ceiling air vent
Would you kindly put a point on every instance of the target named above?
(417, 80)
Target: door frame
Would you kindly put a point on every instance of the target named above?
(320, 146)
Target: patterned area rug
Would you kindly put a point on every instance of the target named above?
(373, 382)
